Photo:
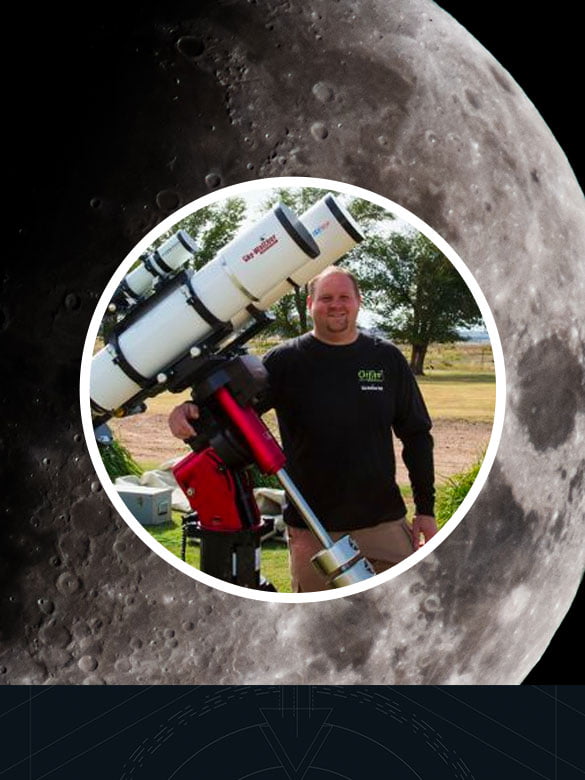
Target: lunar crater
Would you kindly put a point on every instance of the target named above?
(501, 79)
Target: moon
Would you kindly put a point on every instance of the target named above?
(398, 98)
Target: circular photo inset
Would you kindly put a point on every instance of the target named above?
(292, 389)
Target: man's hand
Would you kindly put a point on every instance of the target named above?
(180, 420)
(424, 525)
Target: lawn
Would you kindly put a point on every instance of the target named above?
(450, 395)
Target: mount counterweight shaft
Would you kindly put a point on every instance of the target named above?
(309, 516)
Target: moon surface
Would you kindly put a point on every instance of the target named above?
(393, 96)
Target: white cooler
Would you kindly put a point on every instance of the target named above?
(149, 505)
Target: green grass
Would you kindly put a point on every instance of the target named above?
(449, 396)
(458, 356)
(169, 535)
(458, 376)
(459, 381)
(274, 557)
(449, 496)
(274, 565)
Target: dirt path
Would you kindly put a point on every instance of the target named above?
(458, 443)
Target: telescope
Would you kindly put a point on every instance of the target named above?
(187, 329)
(154, 267)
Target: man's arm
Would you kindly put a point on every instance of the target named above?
(412, 426)
(417, 455)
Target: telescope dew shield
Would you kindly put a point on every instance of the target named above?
(189, 309)
(169, 257)
(334, 231)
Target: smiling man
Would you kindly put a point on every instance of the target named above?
(334, 303)
(339, 394)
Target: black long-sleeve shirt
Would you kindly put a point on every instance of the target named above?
(337, 406)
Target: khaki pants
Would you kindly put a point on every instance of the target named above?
(383, 545)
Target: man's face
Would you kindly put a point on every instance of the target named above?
(334, 308)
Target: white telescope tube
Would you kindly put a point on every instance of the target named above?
(187, 310)
(169, 257)
(335, 232)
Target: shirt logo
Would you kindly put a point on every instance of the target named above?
(371, 379)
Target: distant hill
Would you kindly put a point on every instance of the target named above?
(474, 334)
(470, 335)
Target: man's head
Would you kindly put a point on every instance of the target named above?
(333, 302)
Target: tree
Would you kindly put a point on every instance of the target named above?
(368, 215)
(212, 227)
(290, 312)
(417, 294)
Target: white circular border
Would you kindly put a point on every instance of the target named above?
(273, 183)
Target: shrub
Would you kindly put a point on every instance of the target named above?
(118, 461)
(451, 495)
(264, 480)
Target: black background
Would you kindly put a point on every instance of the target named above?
(56, 86)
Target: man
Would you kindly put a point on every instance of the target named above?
(338, 393)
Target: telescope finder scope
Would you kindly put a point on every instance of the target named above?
(173, 254)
